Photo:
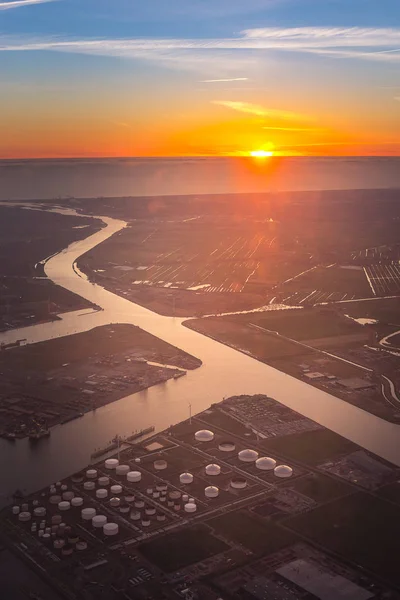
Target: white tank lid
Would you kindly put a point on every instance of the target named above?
(101, 493)
(99, 520)
(283, 471)
(122, 469)
(265, 463)
(248, 455)
(77, 501)
(211, 491)
(186, 478)
(213, 469)
(111, 463)
(91, 473)
(190, 507)
(134, 476)
(110, 529)
(103, 481)
(88, 513)
(116, 489)
(204, 435)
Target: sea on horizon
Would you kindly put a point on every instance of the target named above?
(24, 179)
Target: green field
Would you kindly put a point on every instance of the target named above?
(362, 528)
(310, 447)
(255, 534)
(321, 488)
(307, 324)
(178, 550)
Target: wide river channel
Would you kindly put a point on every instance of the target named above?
(225, 372)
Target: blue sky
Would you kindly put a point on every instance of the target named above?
(162, 63)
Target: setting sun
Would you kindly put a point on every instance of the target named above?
(261, 153)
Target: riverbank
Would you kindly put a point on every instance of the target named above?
(80, 373)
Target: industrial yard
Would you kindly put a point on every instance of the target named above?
(324, 346)
(243, 507)
(70, 376)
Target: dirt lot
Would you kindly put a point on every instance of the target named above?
(69, 376)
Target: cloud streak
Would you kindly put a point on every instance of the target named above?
(224, 80)
(257, 110)
(382, 44)
(20, 3)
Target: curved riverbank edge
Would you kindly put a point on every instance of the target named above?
(225, 372)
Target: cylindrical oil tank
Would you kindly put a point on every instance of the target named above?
(24, 516)
(122, 469)
(238, 483)
(283, 471)
(103, 481)
(98, 521)
(134, 476)
(190, 507)
(77, 501)
(115, 501)
(91, 473)
(101, 493)
(116, 489)
(186, 478)
(54, 499)
(88, 513)
(89, 485)
(135, 515)
(204, 435)
(213, 469)
(211, 491)
(110, 529)
(160, 464)
(248, 455)
(111, 463)
(64, 505)
(265, 463)
(68, 495)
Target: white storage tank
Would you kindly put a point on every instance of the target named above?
(122, 469)
(175, 494)
(77, 501)
(186, 478)
(53, 500)
(89, 485)
(39, 511)
(227, 446)
(91, 473)
(135, 515)
(101, 493)
(24, 516)
(190, 507)
(134, 476)
(238, 483)
(87, 514)
(110, 529)
(283, 471)
(265, 463)
(64, 505)
(204, 435)
(160, 465)
(146, 522)
(111, 463)
(16, 510)
(248, 455)
(115, 501)
(103, 481)
(213, 469)
(211, 491)
(116, 489)
(160, 517)
(99, 521)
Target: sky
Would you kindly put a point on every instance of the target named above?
(88, 78)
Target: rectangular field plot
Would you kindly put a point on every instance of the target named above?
(384, 279)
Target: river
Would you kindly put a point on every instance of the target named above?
(225, 372)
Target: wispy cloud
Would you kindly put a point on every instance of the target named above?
(20, 3)
(224, 80)
(381, 44)
(255, 109)
(308, 129)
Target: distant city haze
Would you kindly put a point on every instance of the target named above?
(49, 179)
